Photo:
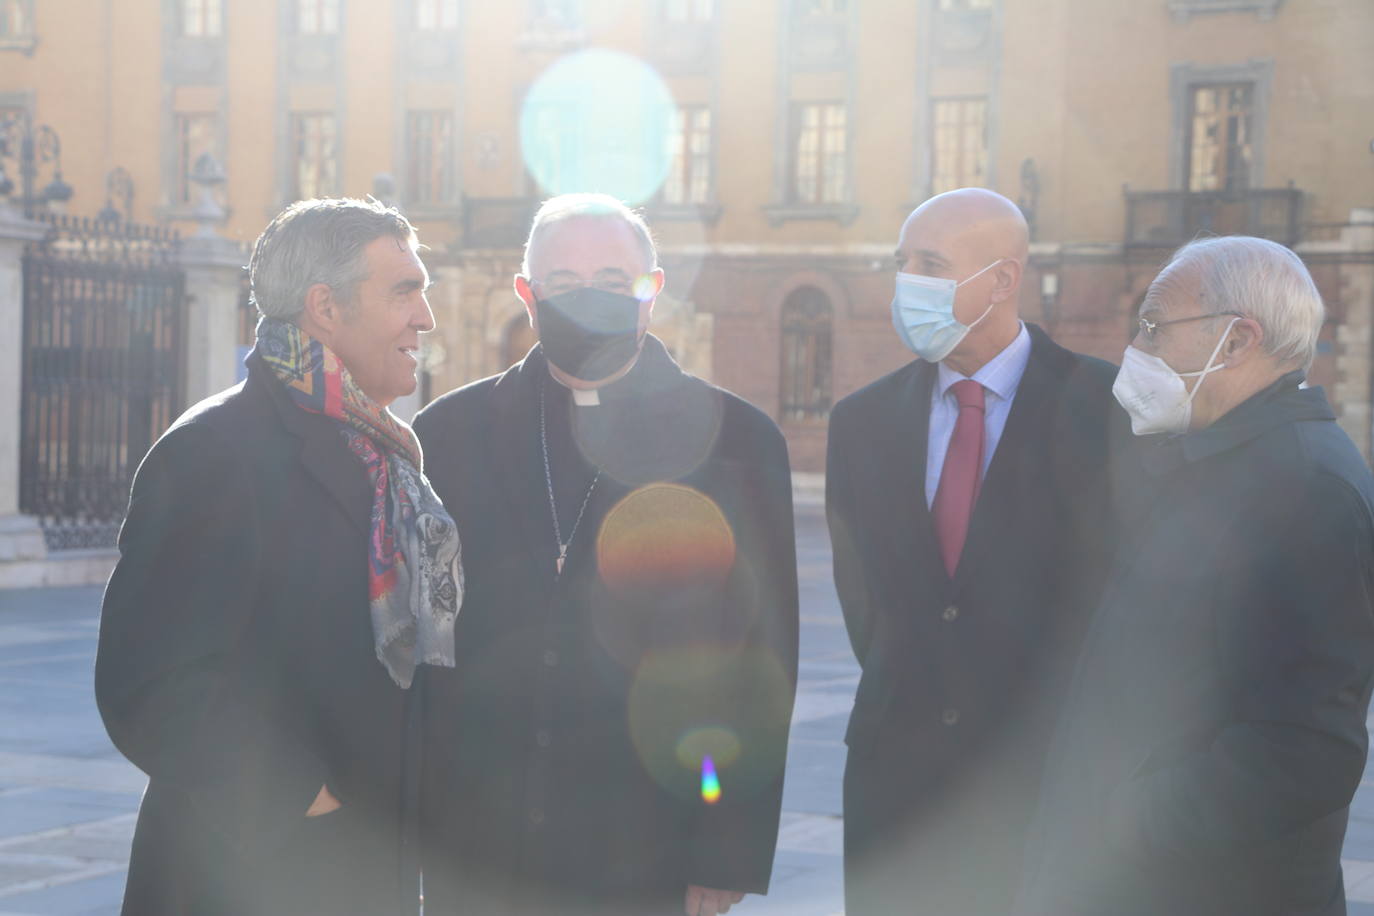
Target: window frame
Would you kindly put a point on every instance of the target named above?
(1225, 160)
(806, 335)
(443, 148)
(26, 39)
(824, 153)
(297, 121)
(327, 19)
(693, 162)
(961, 127)
(211, 16)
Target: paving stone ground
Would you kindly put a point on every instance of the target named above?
(68, 799)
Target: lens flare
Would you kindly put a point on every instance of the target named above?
(645, 287)
(710, 785)
(664, 537)
(598, 120)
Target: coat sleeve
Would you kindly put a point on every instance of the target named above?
(1296, 647)
(840, 513)
(180, 694)
(734, 839)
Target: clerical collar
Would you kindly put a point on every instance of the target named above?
(586, 397)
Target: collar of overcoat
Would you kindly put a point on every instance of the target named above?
(1282, 402)
(323, 451)
(516, 452)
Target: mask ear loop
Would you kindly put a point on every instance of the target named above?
(974, 277)
(1208, 367)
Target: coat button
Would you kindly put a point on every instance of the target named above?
(543, 738)
(536, 816)
(951, 613)
(950, 716)
(550, 658)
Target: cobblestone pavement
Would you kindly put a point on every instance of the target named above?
(68, 799)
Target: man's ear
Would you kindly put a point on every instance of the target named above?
(1006, 280)
(1245, 341)
(323, 312)
(525, 294)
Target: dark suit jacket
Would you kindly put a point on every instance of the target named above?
(236, 668)
(563, 753)
(955, 703)
(1216, 730)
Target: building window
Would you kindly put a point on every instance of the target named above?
(1219, 139)
(201, 18)
(16, 23)
(819, 154)
(689, 157)
(959, 144)
(689, 10)
(806, 355)
(436, 15)
(954, 6)
(195, 136)
(556, 14)
(429, 156)
(317, 17)
(313, 161)
(810, 9)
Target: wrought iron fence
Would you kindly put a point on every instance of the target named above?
(102, 372)
(1172, 218)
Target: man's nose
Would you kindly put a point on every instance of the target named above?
(423, 319)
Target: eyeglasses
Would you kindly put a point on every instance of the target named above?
(1150, 328)
(618, 285)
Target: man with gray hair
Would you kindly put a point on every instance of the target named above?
(284, 568)
(611, 742)
(1215, 734)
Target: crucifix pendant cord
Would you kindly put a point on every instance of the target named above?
(553, 503)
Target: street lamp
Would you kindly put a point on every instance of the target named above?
(29, 146)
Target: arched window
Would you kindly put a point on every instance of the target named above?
(805, 386)
(518, 340)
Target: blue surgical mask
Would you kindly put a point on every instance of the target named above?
(923, 314)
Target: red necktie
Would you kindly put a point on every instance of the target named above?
(959, 478)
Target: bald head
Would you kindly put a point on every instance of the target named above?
(969, 220)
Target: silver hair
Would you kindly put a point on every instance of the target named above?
(568, 206)
(319, 241)
(1263, 281)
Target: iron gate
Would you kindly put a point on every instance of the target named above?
(102, 373)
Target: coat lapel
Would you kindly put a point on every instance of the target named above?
(517, 457)
(1014, 465)
(323, 452)
(901, 458)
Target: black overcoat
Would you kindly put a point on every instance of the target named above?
(563, 763)
(1216, 730)
(237, 668)
(960, 677)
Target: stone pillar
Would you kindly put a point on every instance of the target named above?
(214, 272)
(1354, 338)
(21, 537)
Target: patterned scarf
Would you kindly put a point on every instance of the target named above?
(415, 571)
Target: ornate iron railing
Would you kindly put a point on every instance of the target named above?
(102, 371)
(1172, 218)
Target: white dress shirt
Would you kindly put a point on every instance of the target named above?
(1000, 377)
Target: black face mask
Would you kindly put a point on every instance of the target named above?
(588, 333)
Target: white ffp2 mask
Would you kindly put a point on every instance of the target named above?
(1155, 395)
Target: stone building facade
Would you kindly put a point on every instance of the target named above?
(801, 133)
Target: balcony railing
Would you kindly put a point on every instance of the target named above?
(497, 222)
(1164, 219)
